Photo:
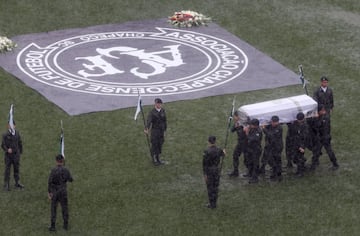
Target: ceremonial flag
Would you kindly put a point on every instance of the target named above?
(11, 120)
(303, 80)
(138, 108)
(232, 111)
(62, 142)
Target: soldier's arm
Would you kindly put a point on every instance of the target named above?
(331, 100)
(50, 180)
(165, 120)
(3, 144)
(69, 177)
(20, 144)
(204, 164)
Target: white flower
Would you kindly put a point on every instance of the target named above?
(6, 45)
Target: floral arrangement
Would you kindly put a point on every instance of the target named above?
(188, 19)
(6, 45)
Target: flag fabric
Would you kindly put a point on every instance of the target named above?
(62, 142)
(11, 120)
(302, 76)
(233, 109)
(138, 108)
(303, 80)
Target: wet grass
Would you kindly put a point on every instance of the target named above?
(118, 192)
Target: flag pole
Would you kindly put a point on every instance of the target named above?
(302, 78)
(146, 134)
(62, 140)
(139, 109)
(11, 119)
(228, 129)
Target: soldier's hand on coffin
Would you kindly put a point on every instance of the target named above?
(302, 150)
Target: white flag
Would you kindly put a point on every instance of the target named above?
(62, 142)
(11, 120)
(138, 108)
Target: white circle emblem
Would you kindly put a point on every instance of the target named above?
(166, 61)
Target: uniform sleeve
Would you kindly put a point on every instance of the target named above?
(303, 135)
(316, 95)
(331, 99)
(50, 180)
(149, 120)
(3, 145)
(266, 130)
(204, 163)
(69, 177)
(165, 121)
(20, 144)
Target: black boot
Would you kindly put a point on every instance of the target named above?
(247, 174)
(18, 185)
(262, 170)
(7, 186)
(155, 160)
(335, 166)
(158, 160)
(66, 226)
(52, 227)
(235, 173)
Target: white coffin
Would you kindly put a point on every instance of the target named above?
(285, 108)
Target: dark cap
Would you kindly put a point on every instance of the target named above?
(254, 122)
(158, 100)
(275, 119)
(212, 139)
(59, 157)
(300, 116)
(324, 78)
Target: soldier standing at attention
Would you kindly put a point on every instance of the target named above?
(211, 170)
(57, 191)
(324, 95)
(240, 146)
(12, 146)
(156, 124)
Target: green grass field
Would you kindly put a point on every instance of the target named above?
(117, 191)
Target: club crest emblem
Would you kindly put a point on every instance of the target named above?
(166, 61)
